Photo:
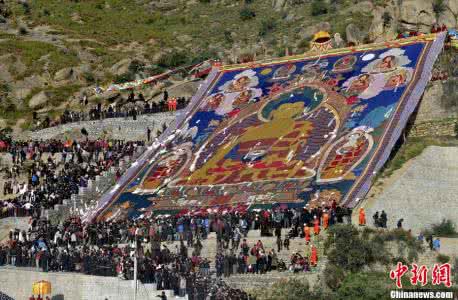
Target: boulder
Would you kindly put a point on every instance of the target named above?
(354, 34)
(184, 38)
(21, 89)
(377, 28)
(164, 5)
(360, 6)
(338, 41)
(278, 5)
(64, 74)
(121, 67)
(39, 99)
(309, 31)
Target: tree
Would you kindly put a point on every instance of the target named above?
(439, 7)
(386, 19)
(365, 286)
(319, 7)
(444, 228)
(247, 14)
(292, 289)
(348, 250)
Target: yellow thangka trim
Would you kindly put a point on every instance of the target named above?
(338, 51)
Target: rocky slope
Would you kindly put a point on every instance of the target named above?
(52, 52)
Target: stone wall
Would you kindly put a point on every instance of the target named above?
(17, 283)
(423, 192)
(433, 106)
(444, 127)
(116, 128)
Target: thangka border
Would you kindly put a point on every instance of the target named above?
(362, 186)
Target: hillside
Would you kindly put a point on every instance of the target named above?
(53, 52)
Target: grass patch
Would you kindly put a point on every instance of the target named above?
(446, 228)
(32, 54)
(412, 148)
(62, 94)
(4, 35)
(442, 258)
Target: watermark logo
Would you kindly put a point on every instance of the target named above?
(441, 274)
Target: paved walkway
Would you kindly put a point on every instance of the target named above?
(424, 192)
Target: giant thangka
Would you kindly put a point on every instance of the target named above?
(301, 130)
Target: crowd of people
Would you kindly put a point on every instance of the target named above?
(169, 248)
(134, 106)
(43, 174)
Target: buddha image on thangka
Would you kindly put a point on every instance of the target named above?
(241, 82)
(387, 72)
(344, 64)
(284, 72)
(398, 78)
(285, 139)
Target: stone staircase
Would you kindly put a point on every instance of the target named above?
(87, 197)
(7, 224)
(249, 281)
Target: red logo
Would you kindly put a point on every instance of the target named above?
(441, 274)
(398, 273)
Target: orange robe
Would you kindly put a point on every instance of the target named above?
(314, 257)
(316, 226)
(325, 220)
(362, 216)
(307, 233)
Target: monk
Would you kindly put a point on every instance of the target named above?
(316, 226)
(362, 217)
(325, 218)
(314, 257)
(307, 233)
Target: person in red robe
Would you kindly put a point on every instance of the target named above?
(314, 257)
(325, 218)
(316, 226)
(307, 233)
(362, 217)
(169, 104)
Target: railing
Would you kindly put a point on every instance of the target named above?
(17, 212)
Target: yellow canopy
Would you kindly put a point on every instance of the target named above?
(321, 35)
(41, 288)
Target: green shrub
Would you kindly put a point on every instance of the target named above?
(442, 258)
(456, 130)
(285, 289)
(319, 7)
(89, 77)
(439, 7)
(136, 66)
(125, 77)
(172, 59)
(247, 14)
(26, 7)
(455, 269)
(386, 19)
(444, 228)
(23, 30)
(365, 285)
(333, 276)
(267, 26)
